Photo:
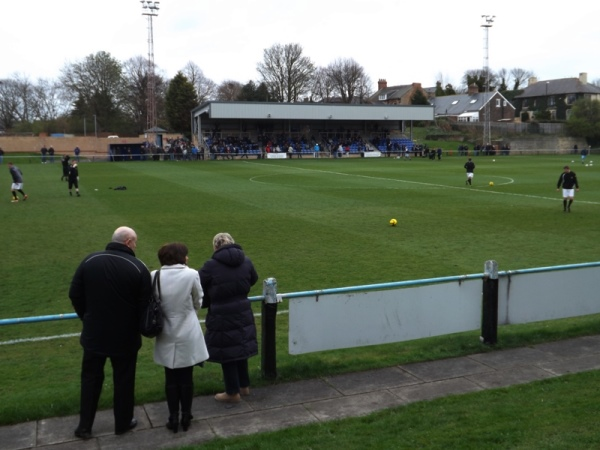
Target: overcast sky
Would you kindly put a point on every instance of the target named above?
(403, 42)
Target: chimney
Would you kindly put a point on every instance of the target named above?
(532, 80)
(583, 77)
(473, 89)
(381, 84)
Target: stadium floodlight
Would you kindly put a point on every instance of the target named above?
(150, 9)
(487, 131)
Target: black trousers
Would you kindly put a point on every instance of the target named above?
(92, 378)
(235, 376)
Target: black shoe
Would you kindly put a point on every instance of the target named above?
(173, 424)
(131, 426)
(70, 193)
(82, 433)
(186, 420)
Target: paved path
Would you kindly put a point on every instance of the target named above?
(312, 401)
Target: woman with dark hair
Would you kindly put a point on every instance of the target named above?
(230, 330)
(180, 345)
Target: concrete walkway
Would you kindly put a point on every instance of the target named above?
(311, 401)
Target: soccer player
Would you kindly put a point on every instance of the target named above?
(470, 166)
(568, 181)
(17, 182)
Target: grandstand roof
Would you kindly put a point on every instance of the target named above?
(312, 111)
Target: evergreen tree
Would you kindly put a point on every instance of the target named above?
(419, 98)
(180, 99)
(585, 121)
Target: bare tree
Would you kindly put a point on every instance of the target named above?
(321, 88)
(206, 89)
(9, 103)
(47, 101)
(286, 72)
(520, 76)
(229, 90)
(135, 105)
(503, 78)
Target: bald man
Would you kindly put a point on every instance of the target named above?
(107, 292)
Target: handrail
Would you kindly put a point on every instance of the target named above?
(359, 288)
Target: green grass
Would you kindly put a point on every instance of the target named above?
(312, 224)
(560, 413)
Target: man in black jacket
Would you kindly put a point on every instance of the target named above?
(568, 181)
(107, 293)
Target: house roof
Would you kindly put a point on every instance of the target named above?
(455, 105)
(311, 111)
(558, 87)
(391, 93)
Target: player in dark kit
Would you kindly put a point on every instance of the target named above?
(470, 167)
(74, 179)
(568, 181)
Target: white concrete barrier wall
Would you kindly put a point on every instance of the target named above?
(551, 295)
(337, 321)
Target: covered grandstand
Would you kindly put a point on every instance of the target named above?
(249, 128)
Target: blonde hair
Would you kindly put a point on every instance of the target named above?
(222, 239)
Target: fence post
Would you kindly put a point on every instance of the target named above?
(269, 315)
(489, 310)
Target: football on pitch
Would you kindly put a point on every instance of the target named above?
(393, 222)
(491, 183)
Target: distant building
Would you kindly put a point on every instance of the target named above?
(555, 96)
(470, 107)
(394, 95)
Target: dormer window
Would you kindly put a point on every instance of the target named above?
(382, 97)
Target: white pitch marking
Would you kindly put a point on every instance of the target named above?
(430, 184)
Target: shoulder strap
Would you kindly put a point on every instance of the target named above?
(156, 282)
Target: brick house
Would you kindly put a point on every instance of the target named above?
(555, 96)
(394, 95)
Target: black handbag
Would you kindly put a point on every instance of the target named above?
(152, 317)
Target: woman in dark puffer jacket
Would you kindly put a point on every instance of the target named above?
(230, 335)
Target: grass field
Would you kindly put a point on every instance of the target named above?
(311, 224)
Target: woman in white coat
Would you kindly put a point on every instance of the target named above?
(180, 346)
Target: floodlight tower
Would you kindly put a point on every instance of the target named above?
(150, 9)
(487, 24)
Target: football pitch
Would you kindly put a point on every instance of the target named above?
(311, 224)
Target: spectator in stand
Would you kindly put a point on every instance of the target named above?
(439, 153)
(316, 151)
(1, 155)
(77, 151)
(44, 152)
(51, 154)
